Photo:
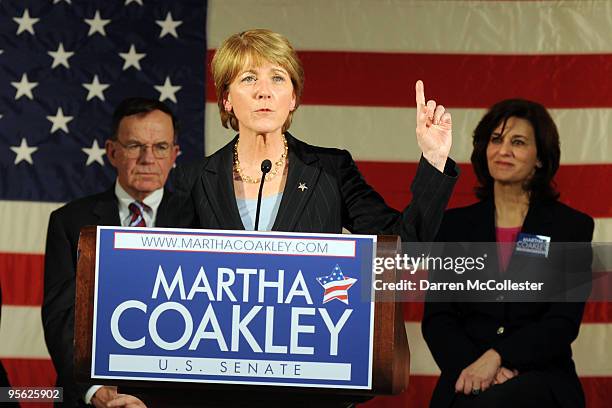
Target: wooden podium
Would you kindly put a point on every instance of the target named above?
(390, 366)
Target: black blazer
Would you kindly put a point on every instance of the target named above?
(337, 196)
(65, 224)
(535, 336)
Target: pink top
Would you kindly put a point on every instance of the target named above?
(504, 252)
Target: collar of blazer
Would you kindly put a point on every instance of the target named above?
(539, 220)
(482, 218)
(218, 182)
(106, 209)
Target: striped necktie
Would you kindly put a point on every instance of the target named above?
(137, 209)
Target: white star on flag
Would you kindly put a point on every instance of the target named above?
(139, 2)
(94, 153)
(168, 26)
(59, 121)
(96, 24)
(132, 58)
(24, 87)
(26, 23)
(24, 152)
(60, 57)
(167, 90)
(95, 88)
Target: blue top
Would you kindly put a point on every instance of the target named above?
(267, 215)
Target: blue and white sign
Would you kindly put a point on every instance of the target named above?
(234, 307)
(535, 245)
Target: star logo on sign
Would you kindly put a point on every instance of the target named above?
(24, 87)
(59, 121)
(94, 153)
(24, 152)
(96, 24)
(139, 2)
(168, 26)
(60, 57)
(336, 286)
(302, 187)
(167, 90)
(26, 23)
(95, 89)
(132, 58)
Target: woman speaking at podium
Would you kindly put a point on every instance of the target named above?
(259, 82)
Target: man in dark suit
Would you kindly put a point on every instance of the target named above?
(142, 147)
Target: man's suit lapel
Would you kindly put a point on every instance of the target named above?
(165, 212)
(107, 209)
(219, 187)
(302, 171)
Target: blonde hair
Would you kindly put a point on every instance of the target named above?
(254, 47)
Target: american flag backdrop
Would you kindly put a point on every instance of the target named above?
(65, 65)
(361, 59)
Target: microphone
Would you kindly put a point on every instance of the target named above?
(266, 166)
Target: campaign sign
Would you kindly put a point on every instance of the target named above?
(233, 307)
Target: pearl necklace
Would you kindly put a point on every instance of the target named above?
(279, 164)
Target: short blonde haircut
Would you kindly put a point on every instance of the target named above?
(254, 47)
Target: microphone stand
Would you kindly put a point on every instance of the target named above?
(266, 166)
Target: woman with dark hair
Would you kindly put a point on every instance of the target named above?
(511, 354)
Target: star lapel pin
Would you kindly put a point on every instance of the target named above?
(302, 187)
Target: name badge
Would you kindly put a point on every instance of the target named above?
(537, 245)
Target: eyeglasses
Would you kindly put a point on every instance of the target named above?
(134, 150)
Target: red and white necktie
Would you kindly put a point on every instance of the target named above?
(137, 210)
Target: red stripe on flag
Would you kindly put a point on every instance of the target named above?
(21, 279)
(475, 80)
(597, 312)
(570, 180)
(24, 372)
(335, 286)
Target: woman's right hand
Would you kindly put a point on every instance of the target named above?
(434, 129)
(504, 374)
(479, 375)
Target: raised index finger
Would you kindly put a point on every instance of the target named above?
(420, 93)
